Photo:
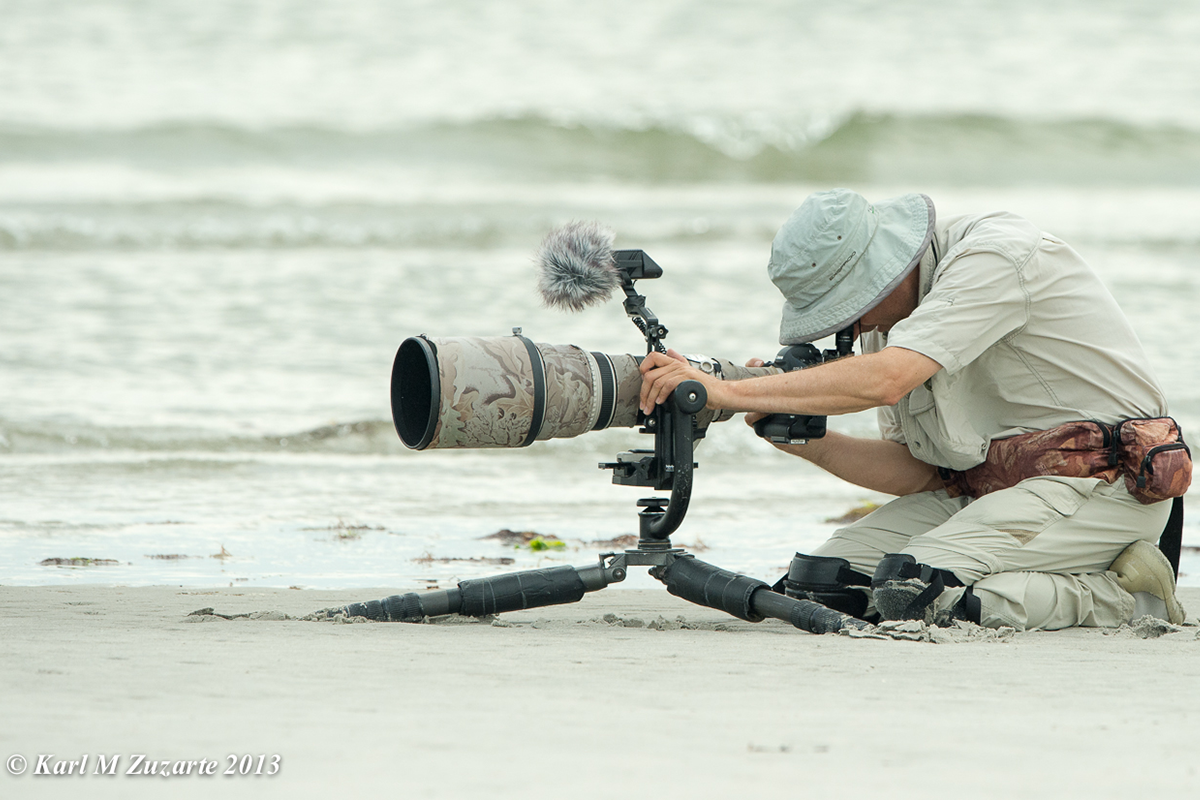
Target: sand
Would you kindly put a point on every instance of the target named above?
(630, 692)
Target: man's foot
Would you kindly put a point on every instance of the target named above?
(1144, 572)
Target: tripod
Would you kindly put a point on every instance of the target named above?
(669, 467)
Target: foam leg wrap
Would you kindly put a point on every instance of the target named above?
(479, 597)
(707, 585)
(519, 590)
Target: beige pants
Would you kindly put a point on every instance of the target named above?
(1036, 554)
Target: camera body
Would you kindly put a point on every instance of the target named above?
(799, 428)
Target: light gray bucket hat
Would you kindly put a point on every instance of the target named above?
(838, 256)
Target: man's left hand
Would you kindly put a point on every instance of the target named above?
(661, 373)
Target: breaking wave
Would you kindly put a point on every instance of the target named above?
(485, 183)
(957, 148)
(362, 437)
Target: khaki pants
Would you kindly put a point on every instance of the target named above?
(1037, 554)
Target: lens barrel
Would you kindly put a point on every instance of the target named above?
(416, 386)
(506, 391)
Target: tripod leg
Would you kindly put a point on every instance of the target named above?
(804, 614)
(747, 598)
(483, 596)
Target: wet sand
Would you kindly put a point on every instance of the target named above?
(627, 693)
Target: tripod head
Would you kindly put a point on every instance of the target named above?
(668, 466)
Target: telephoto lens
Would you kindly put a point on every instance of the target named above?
(506, 391)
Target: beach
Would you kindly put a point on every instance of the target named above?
(219, 221)
(630, 693)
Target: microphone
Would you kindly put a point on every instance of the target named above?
(577, 266)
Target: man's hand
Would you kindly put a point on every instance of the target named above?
(662, 373)
(754, 416)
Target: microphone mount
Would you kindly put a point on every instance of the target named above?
(633, 265)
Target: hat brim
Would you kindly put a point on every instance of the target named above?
(904, 231)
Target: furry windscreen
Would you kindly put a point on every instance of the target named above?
(577, 268)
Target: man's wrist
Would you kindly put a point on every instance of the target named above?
(818, 450)
(717, 390)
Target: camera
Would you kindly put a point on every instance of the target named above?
(799, 428)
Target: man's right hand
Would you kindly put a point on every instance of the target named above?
(754, 416)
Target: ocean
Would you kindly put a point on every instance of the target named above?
(219, 220)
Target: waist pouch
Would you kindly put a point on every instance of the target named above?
(1148, 452)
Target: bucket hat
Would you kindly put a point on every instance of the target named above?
(838, 256)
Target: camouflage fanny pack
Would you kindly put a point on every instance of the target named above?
(1150, 453)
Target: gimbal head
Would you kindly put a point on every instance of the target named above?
(668, 466)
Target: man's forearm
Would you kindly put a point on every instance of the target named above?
(841, 387)
(875, 464)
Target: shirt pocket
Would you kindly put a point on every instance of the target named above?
(938, 429)
(919, 423)
(920, 399)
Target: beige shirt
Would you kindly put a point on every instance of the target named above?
(1028, 338)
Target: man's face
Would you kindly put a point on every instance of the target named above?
(873, 321)
(879, 319)
(895, 307)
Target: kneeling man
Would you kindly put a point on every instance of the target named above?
(1023, 430)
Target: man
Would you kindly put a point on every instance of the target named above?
(978, 334)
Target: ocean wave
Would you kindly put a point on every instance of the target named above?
(233, 225)
(955, 149)
(498, 183)
(362, 437)
(229, 225)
